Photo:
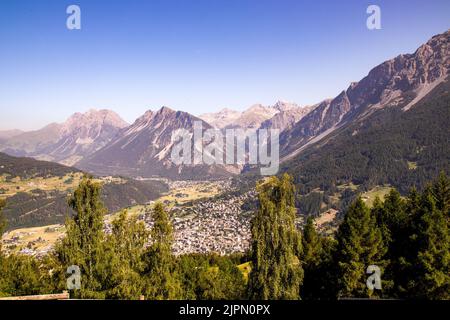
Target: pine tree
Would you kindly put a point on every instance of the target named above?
(395, 227)
(21, 276)
(83, 244)
(160, 270)
(316, 259)
(360, 244)
(432, 277)
(441, 192)
(312, 246)
(276, 249)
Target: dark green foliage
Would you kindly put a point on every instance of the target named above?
(441, 193)
(394, 222)
(317, 264)
(82, 245)
(20, 275)
(210, 277)
(40, 208)
(2, 220)
(37, 208)
(433, 259)
(311, 204)
(124, 250)
(276, 267)
(360, 244)
(408, 238)
(377, 150)
(27, 168)
(160, 270)
(119, 195)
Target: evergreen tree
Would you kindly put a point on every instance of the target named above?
(83, 244)
(317, 264)
(160, 270)
(312, 246)
(432, 277)
(395, 226)
(276, 269)
(360, 244)
(220, 279)
(21, 276)
(441, 192)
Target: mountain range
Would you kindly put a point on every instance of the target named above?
(67, 142)
(103, 143)
(144, 149)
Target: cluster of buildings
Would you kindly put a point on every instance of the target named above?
(21, 243)
(215, 225)
(218, 224)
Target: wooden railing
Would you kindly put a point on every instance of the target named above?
(57, 296)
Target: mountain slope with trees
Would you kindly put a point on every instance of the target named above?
(391, 146)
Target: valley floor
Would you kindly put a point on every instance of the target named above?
(206, 216)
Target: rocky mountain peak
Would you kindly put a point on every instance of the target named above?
(282, 105)
(92, 119)
(401, 81)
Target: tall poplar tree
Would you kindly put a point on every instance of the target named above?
(276, 249)
(82, 245)
(124, 251)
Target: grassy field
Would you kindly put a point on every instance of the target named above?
(34, 238)
(194, 192)
(347, 186)
(9, 187)
(380, 191)
(40, 237)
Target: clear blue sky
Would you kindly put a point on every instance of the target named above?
(193, 55)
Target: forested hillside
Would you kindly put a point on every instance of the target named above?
(36, 191)
(30, 168)
(406, 239)
(391, 146)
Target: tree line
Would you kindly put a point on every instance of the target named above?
(406, 238)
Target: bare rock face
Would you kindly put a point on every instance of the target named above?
(101, 142)
(401, 81)
(289, 114)
(70, 141)
(253, 117)
(284, 114)
(144, 149)
(221, 119)
(248, 119)
(83, 134)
